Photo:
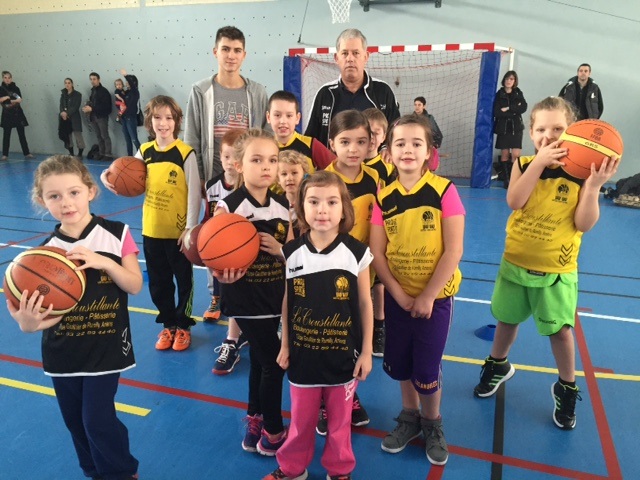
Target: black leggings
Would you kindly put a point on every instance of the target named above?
(6, 140)
(265, 375)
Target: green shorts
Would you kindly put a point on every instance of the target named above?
(551, 298)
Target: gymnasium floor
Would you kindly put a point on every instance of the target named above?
(186, 423)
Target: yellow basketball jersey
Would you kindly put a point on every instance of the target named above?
(363, 196)
(542, 236)
(164, 213)
(413, 224)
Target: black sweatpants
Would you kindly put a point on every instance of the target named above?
(164, 262)
(265, 375)
(101, 440)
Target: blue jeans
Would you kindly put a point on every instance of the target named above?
(130, 130)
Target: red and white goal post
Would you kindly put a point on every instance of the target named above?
(459, 82)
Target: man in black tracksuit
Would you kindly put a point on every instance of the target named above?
(355, 89)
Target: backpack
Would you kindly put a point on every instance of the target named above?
(93, 152)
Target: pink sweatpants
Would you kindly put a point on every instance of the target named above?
(297, 452)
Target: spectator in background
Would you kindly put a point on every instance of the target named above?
(70, 104)
(420, 108)
(12, 115)
(118, 95)
(584, 94)
(99, 108)
(129, 118)
(508, 107)
(354, 89)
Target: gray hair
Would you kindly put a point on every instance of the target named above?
(350, 33)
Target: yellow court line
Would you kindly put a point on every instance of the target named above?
(32, 387)
(554, 371)
(452, 358)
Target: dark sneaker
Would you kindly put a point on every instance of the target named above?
(436, 446)
(242, 341)
(252, 433)
(493, 374)
(378, 342)
(321, 426)
(279, 475)
(269, 444)
(407, 429)
(564, 400)
(212, 314)
(228, 356)
(359, 415)
(339, 477)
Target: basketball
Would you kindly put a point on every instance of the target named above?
(47, 270)
(589, 141)
(190, 246)
(128, 175)
(228, 240)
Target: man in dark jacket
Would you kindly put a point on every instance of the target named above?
(354, 89)
(99, 109)
(584, 94)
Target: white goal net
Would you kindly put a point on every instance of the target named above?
(447, 76)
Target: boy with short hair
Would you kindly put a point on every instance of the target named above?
(283, 115)
(217, 189)
(378, 124)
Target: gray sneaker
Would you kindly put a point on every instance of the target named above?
(436, 446)
(407, 429)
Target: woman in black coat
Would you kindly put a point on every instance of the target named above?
(12, 115)
(508, 107)
(70, 105)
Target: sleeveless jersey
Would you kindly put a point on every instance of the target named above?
(413, 224)
(363, 196)
(317, 154)
(384, 169)
(95, 337)
(260, 292)
(542, 235)
(324, 324)
(164, 213)
(215, 190)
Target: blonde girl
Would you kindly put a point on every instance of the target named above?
(256, 154)
(85, 365)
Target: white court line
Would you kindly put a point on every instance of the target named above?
(582, 314)
(25, 247)
(461, 299)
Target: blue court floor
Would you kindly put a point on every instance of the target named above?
(186, 423)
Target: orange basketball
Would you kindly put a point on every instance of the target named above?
(190, 246)
(48, 270)
(589, 141)
(128, 175)
(228, 240)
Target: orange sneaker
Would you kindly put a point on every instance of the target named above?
(212, 314)
(182, 340)
(165, 339)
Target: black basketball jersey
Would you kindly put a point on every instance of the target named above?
(324, 323)
(95, 337)
(260, 292)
